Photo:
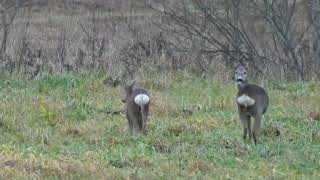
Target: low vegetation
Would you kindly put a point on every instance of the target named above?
(58, 127)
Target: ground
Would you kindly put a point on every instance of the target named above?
(57, 127)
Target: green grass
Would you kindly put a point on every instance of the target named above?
(56, 127)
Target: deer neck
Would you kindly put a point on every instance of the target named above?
(242, 85)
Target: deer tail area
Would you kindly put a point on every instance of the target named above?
(245, 100)
(141, 99)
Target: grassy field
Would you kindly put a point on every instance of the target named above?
(57, 127)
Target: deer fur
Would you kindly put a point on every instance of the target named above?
(252, 101)
(137, 102)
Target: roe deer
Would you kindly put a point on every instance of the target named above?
(137, 107)
(252, 101)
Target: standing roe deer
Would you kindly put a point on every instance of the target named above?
(252, 101)
(137, 107)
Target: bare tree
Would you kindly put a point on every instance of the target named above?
(213, 29)
(8, 12)
(95, 44)
(313, 9)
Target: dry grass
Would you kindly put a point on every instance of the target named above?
(64, 132)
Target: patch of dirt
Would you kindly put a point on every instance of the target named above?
(234, 147)
(161, 107)
(199, 165)
(143, 162)
(73, 130)
(227, 144)
(112, 81)
(79, 130)
(162, 148)
(119, 163)
(241, 151)
(9, 164)
(316, 135)
(187, 113)
(61, 168)
(203, 124)
(313, 115)
(176, 129)
(194, 124)
(272, 129)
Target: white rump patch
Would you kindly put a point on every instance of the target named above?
(245, 100)
(141, 99)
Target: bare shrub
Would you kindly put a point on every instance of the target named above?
(131, 38)
(260, 34)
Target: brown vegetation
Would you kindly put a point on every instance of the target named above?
(277, 38)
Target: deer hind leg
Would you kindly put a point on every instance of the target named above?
(134, 120)
(249, 127)
(245, 121)
(144, 115)
(130, 121)
(256, 128)
(140, 119)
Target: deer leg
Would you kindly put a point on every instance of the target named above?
(244, 119)
(140, 119)
(141, 125)
(256, 128)
(134, 120)
(144, 113)
(249, 127)
(130, 121)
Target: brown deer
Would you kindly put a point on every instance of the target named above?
(252, 101)
(137, 107)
